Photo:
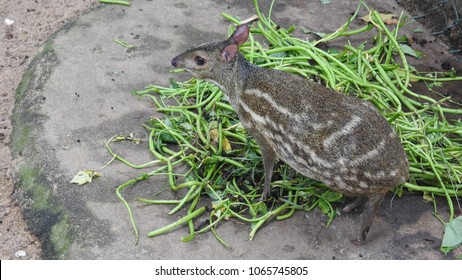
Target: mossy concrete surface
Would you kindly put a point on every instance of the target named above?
(76, 95)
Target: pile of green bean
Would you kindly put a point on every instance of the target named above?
(202, 147)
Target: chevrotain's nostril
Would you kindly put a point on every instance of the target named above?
(175, 62)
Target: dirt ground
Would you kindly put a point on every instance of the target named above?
(34, 22)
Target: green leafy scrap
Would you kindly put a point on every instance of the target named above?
(452, 235)
(84, 176)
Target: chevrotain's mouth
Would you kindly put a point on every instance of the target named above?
(190, 72)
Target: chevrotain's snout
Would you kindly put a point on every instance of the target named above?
(177, 61)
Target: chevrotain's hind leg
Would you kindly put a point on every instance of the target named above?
(372, 206)
(269, 159)
(360, 200)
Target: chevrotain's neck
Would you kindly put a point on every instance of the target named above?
(232, 80)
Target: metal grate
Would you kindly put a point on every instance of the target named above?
(446, 21)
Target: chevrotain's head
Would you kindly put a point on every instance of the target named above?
(210, 61)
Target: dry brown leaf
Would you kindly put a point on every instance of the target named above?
(391, 21)
(226, 146)
(214, 134)
(386, 18)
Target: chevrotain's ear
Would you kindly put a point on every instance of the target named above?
(238, 38)
(240, 35)
(229, 52)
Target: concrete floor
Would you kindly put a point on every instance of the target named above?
(76, 95)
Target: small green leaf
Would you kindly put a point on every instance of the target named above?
(217, 196)
(435, 84)
(187, 126)
(167, 138)
(258, 209)
(332, 196)
(308, 31)
(325, 2)
(278, 54)
(168, 122)
(452, 235)
(410, 51)
(323, 206)
(84, 176)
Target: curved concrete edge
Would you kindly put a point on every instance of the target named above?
(45, 215)
(32, 186)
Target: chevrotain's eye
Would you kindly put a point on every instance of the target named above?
(199, 60)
